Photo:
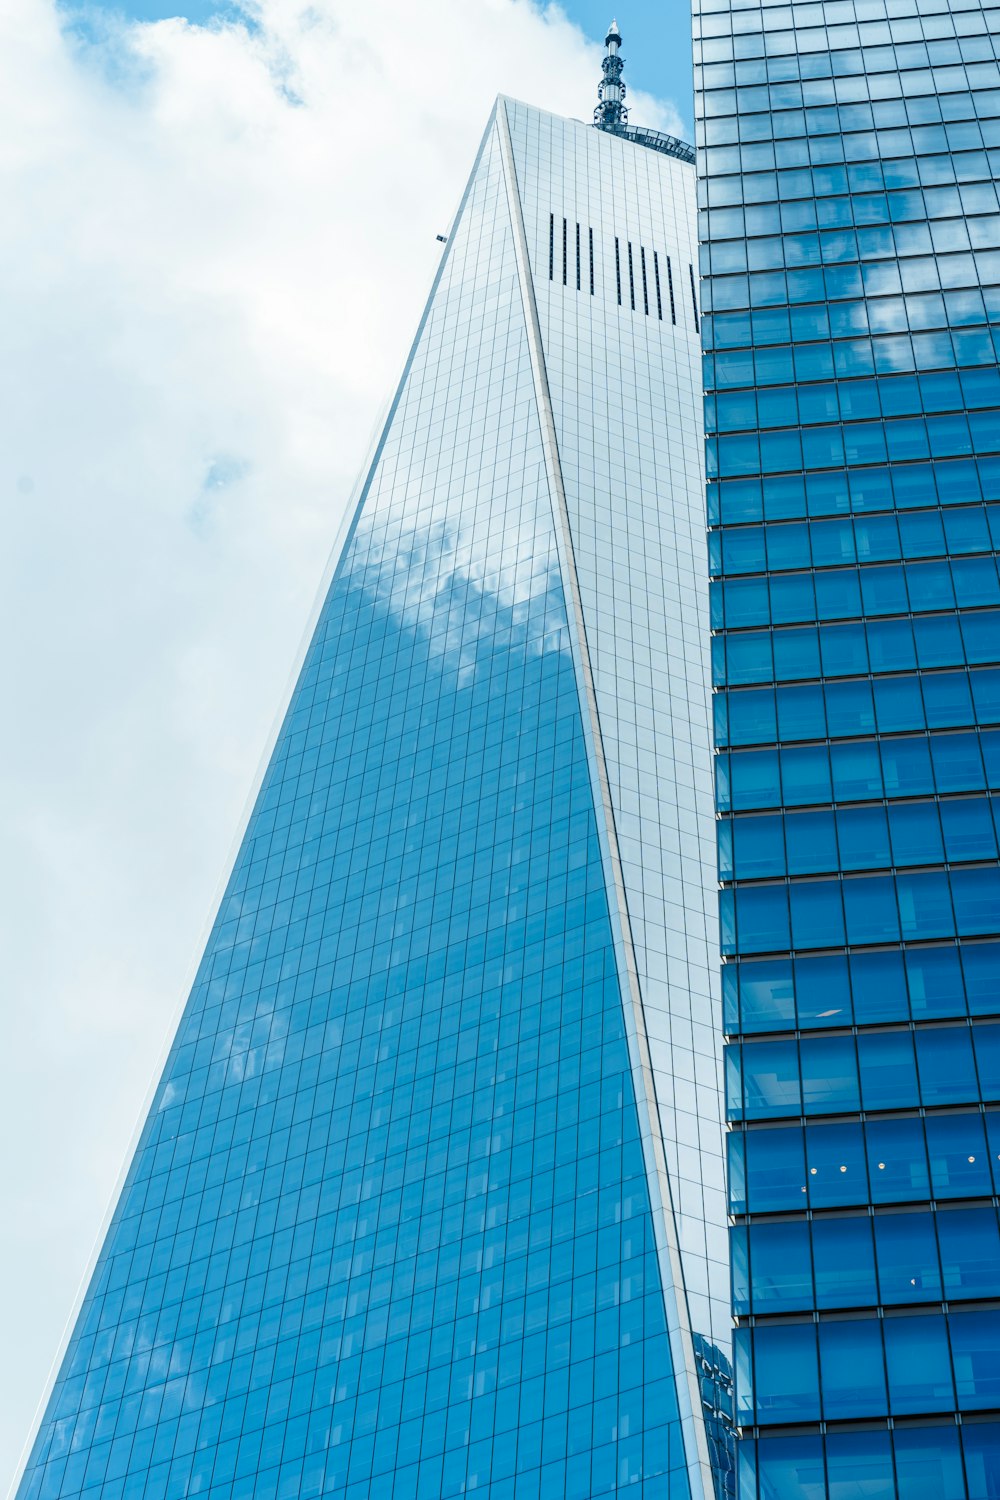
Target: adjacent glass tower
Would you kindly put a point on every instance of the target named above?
(849, 157)
(430, 1200)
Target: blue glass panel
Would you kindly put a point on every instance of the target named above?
(835, 1156)
(780, 1267)
(976, 895)
(852, 1372)
(981, 970)
(879, 987)
(859, 1465)
(918, 1363)
(906, 1251)
(934, 978)
(786, 1374)
(822, 991)
(811, 842)
(928, 1462)
(897, 1160)
(958, 1156)
(829, 1075)
(871, 910)
(986, 1041)
(915, 832)
(775, 1170)
(863, 837)
(888, 1070)
(844, 1262)
(817, 915)
(790, 1468)
(981, 1449)
(767, 995)
(975, 1349)
(762, 914)
(970, 1252)
(770, 1079)
(946, 1065)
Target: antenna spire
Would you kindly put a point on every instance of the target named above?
(611, 113)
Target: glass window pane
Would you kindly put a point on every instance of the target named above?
(916, 1351)
(851, 1369)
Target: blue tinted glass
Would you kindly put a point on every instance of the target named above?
(897, 1160)
(851, 1369)
(817, 914)
(879, 987)
(981, 1449)
(811, 841)
(856, 771)
(859, 1465)
(906, 1252)
(917, 1359)
(863, 838)
(975, 1348)
(786, 1375)
(871, 910)
(915, 833)
(888, 1070)
(934, 978)
(770, 1079)
(801, 713)
(822, 991)
(947, 1069)
(844, 1262)
(986, 1043)
(758, 847)
(775, 1170)
(790, 1469)
(829, 1075)
(928, 1462)
(835, 1157)
(970, 1252)
(959, 1160)
(805, 775)
(981, 969)
(762, 915)
(767, 995)
(976, 898)
(780, 1267)
(968, 829)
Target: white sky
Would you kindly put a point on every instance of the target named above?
(214, 248)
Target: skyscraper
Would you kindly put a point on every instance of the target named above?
(850, 228)
(430, 1197)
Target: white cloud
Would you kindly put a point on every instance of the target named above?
(214, 247)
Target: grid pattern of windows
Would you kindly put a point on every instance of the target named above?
(626, 404)
(389, 1228)
(848, 159)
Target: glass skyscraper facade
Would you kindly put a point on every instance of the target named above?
(848, 158)
(430, 1199)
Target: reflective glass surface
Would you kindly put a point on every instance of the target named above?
(848, 158)
(395, 1224)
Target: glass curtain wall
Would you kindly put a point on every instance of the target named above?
(414, 1213)
(848, 160)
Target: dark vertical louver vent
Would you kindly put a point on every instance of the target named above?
(631, 277)
(670, 289)
(694, 298)
(618, 270)
(656, 276)
(578, 257)
(552, 246)
(591, 262)
(645, 284)
(648, 268)
(564, 252)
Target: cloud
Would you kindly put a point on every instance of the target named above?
(214, 248)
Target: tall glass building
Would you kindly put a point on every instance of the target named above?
(850, 234)
(430, 1198)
